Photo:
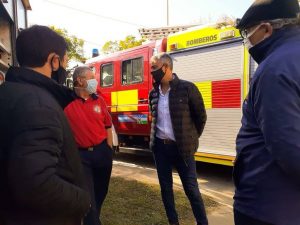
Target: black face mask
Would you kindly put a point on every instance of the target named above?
(59, 75)
(158, 75)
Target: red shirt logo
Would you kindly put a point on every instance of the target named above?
(97, 109)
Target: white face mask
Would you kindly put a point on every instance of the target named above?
(247, 41)
(91, 86)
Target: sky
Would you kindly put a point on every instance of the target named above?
(99, 21)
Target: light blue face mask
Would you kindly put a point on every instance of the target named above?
(91, 86)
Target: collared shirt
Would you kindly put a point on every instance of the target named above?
(164, 123)
(89, 120)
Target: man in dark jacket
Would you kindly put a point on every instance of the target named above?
(267, 167)
(178, 119)
(40, 169)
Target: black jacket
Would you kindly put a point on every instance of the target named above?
(188, 115)
(40, 169)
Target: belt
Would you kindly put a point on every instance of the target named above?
(90, 149)
(167, 141)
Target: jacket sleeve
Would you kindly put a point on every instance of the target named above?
(150, 102)
(197, 108)
(277, 109)
(32, 166)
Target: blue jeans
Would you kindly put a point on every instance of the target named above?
(167, 156)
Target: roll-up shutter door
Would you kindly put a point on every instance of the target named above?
(218, 73)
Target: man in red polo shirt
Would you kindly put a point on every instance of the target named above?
(91, 125)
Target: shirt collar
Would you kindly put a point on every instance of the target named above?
(93, 96)
(161, 93)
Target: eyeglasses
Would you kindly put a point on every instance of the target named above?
(245, 33)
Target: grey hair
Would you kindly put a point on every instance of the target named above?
(164, 58)
(280, 23)
(80, 71)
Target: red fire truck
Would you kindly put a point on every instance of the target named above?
(125, 80)
(213, 58)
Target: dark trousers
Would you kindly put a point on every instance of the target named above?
(97, 165)
(242, 219)
(167, 156)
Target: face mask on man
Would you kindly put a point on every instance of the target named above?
(60, 75)
(247, 41)
(91, 86)
(158, 75)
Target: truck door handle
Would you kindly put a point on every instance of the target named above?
(143, 100)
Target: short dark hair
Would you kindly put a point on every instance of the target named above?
(34, 45)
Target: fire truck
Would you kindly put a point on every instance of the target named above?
(213, 58)
(13, 18)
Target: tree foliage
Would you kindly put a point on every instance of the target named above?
(113, 46)
(110, 46)
(226, 20)
(75, 45)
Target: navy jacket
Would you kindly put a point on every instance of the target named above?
(267, 167)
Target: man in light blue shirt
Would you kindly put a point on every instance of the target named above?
(164, 124)
(178, 119)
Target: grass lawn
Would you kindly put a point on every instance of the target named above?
(134, 203)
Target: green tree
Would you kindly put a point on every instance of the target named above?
(129, 42)
(75, 45)
(113, 46)
(110, 46)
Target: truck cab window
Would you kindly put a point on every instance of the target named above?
(132, 71)
(106, 78)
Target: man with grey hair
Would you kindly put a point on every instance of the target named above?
(178, 119)
(267, 168)
(91, 125)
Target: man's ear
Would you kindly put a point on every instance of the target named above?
(80, 81)
(53, 61)
(165, 68)
(268, 30)
(168, 69)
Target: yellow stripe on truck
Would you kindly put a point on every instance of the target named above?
(124, 101)
(214, 158)
(205, 89)
(246, 72)
(114, 101)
